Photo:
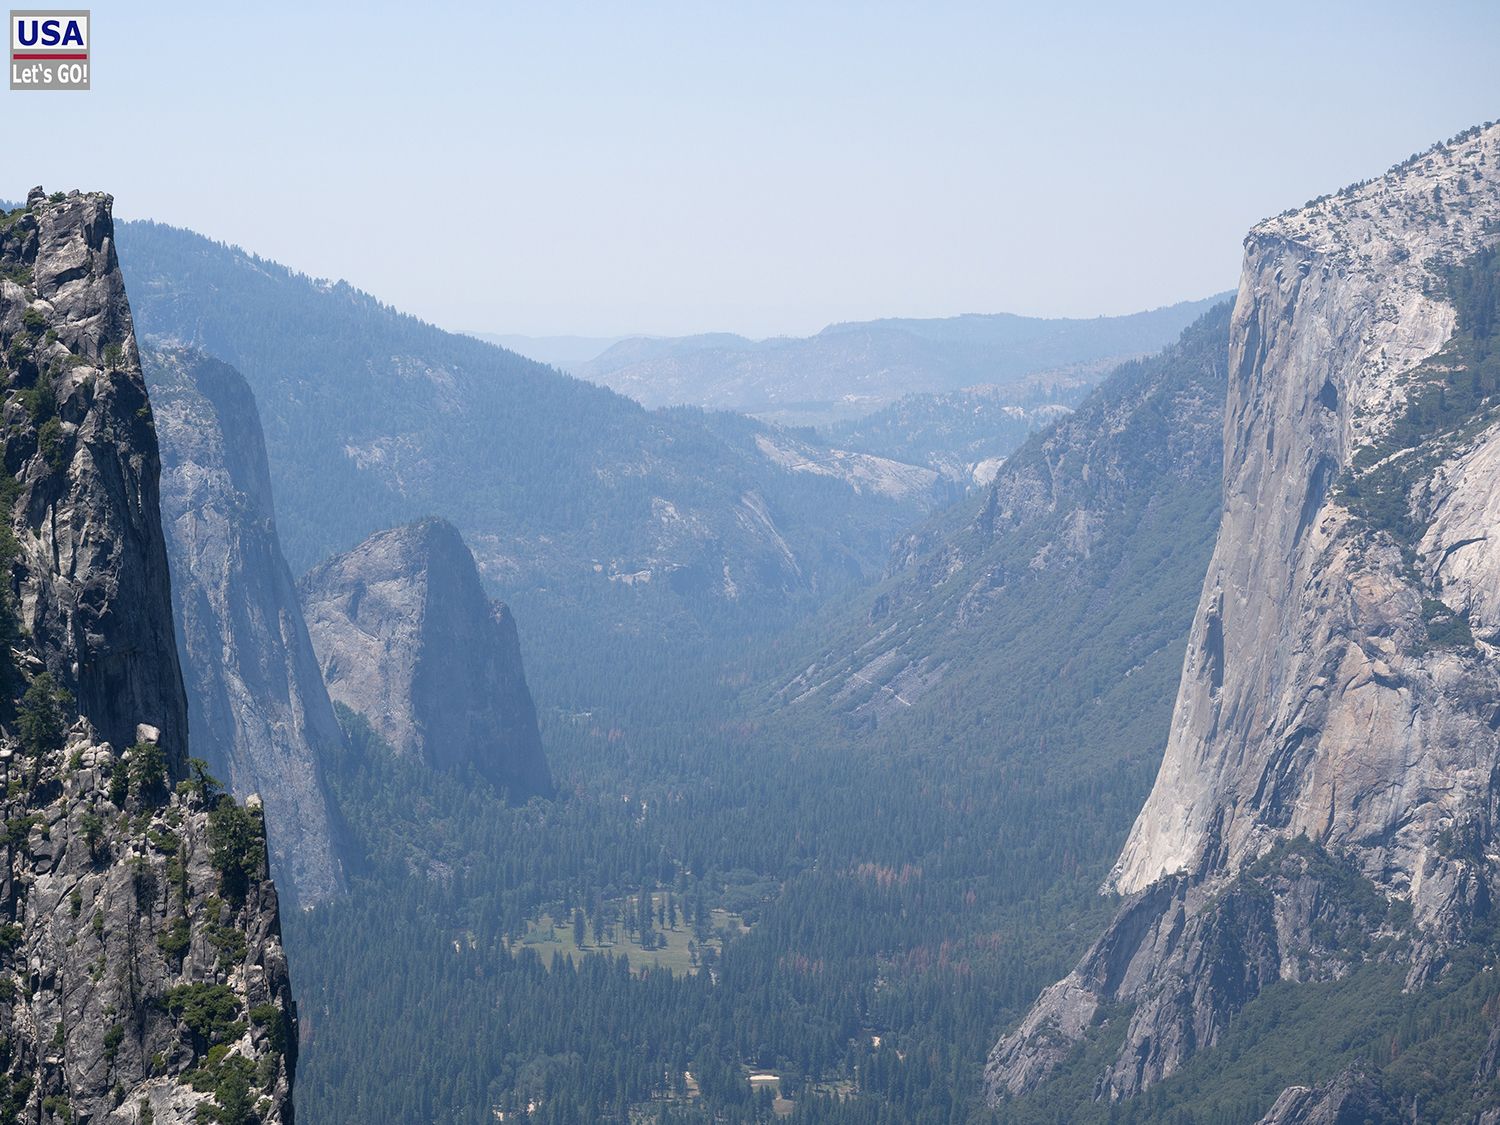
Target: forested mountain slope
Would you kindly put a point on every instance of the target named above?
(1325, 809)
(903, 877)
(964, 435)
(1064, 581)
(373, 418)
(141, 969)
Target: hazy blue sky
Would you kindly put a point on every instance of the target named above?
(754, 167)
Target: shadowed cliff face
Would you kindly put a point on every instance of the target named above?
(1319, 697)
(92, 584)
(141, 928)
(259, 714)
(405, 636)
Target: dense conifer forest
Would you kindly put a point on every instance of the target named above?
(720, 608)
(907, 886)
(728, 887)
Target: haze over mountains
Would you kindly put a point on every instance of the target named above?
(801, 774)
(851, 369)
(373, 418)
(619, 526)
(1052, 546)
(562, 352)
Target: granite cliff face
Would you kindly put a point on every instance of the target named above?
(1352, 1098)
(406, 636)
(257, 709)
(141, 971)
(93, 587)
(1304, 707)
(1334, 748)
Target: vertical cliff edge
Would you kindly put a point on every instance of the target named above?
(1328, 791)
(142, 977)
(258, 711)
(406, 636)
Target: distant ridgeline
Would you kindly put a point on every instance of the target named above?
(374, 418)
(854, 368)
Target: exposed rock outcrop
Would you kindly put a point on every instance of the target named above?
(406, 636)
(258, 712)
(1352, 1098)
(1331, 691)
(93, 585)
(1186, 957)
(141, 968)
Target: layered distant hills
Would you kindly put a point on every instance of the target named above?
(851, 369)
